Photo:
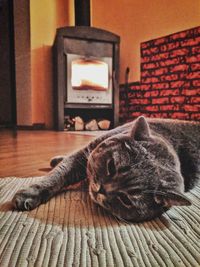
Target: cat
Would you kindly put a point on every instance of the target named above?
(136, 171)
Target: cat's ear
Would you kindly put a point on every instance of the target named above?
(169, 199)
(140, 131)
(111, 169)
(124, 199)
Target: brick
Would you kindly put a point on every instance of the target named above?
(160, 56)
(135, 94)
(169, 107)
(193, 59)
(159, 72)
(196, 50)
(192, 108)
(144, 45)
(150, 80)
(134, 87)
(195, 100)
(194, 75)
(174, 45)
(169, 46)
(164, 48)
(190, 42)
(178, 35)
(195, 31)
(152, 108)
(177, 84)
(195, 66)
(136, 114)
(145, 52)
(195, 116)
(145, 59)
(179, 52)
(177, 68)
(146, 73)
(169, 62)
(145, 86)
(180, 115)
(162, 100)
(196, 83)
(177, 99)
(151, 94)
(160, 41)
(169, 92)
(160, 86)
(150, 51)
(171, 77)
(139, 101)
(183, 76)
(191, 92)
(150, 66)
(158, 115)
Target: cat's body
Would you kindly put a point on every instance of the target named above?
(135, 171)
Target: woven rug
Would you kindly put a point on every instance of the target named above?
(70, 230)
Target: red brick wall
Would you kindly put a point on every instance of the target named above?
(170, 79)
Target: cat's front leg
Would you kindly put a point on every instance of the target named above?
(71, 170)
(30, 197)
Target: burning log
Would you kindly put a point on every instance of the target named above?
(69, 123)
(91, 125)
(104, 124)
(79, 124)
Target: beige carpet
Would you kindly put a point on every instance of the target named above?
(71, 231)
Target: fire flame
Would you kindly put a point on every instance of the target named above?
(88, 74)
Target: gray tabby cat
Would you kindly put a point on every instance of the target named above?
(136, 171)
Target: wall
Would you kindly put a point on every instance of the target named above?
(138, 21)
(170, 79)
(23, 62)
(45, 16)
(5, 68)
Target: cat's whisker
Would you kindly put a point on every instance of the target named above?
(120, 220)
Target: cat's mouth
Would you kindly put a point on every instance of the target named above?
(98, 198)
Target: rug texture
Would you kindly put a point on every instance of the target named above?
(70, 230)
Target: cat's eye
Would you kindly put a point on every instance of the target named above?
(111, 170)
(102, 190)
(124, 199)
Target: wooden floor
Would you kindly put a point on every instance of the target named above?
(27, 153)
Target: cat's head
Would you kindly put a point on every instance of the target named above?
(137, 176)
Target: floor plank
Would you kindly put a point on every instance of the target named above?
(27, 153)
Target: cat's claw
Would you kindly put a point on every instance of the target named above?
(26, 199)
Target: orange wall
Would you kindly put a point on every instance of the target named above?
(46, 16)
(142, 20)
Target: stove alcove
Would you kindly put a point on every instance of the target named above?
(81, 43)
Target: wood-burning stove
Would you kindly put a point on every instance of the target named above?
(86, 73)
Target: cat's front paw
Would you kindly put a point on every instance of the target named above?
(27, 199)
(55, 161)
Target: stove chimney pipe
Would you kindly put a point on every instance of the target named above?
(82, 12)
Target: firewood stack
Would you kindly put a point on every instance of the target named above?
(78, 124)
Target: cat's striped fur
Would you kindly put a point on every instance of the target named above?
(136, 171)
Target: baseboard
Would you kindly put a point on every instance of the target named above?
(34, 126)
